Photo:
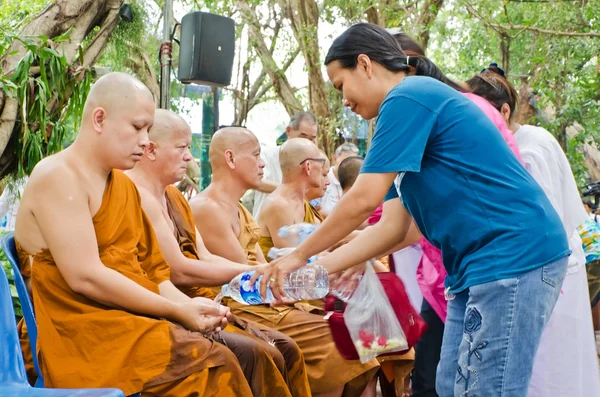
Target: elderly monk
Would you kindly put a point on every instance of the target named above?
(106, 311)
(302, 166)
(165, 161)
(317, 193)
(229, 230)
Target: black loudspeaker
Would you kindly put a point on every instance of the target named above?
(206, 49)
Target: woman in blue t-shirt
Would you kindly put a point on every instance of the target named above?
(503, 244)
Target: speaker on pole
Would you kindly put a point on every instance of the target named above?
(206, 49)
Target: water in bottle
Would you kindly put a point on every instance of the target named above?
(308, 282)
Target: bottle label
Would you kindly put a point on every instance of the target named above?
(250, 295)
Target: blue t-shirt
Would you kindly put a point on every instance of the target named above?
(466, 191)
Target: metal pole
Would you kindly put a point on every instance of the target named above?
(215, 93)
(165, 56)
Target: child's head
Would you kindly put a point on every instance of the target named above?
(348, 171)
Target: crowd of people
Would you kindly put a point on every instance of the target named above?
(125, 272)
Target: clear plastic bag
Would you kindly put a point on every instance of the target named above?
(371, 320)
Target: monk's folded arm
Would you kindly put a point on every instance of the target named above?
(186, 272)
(169, 291)
(66, 225)
(372, 242)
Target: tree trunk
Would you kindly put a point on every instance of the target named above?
(282, 86)
(78, 16)
(304, 16)
(140, 64)
(430, 10)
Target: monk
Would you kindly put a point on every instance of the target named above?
(302, 165)
(317, 193)
(107, 314)
(229, 230)
(192, 266)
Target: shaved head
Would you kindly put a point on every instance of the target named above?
(115, 91)
(167, 126)
(295, 151)
(117, 115)
(235, 153)
(229, 138)
(348, 171)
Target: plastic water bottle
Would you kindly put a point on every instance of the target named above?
(297, 233)
(308, 282)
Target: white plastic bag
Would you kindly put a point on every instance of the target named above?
(371, 320)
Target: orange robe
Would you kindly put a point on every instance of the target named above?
(83, 343)
(251, 342)
(327, 370)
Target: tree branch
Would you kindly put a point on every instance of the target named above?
(500, 28)
(522, 28)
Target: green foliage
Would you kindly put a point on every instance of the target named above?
(51, 97)
(560, 70)
(131, 38)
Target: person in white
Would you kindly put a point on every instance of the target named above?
(334, 190)
(566, 363)
(302, 125)
(9, 203)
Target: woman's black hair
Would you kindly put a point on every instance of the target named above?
(409, 46)
(493, 86)
(381, 47)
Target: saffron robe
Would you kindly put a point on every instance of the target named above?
(83, 343)
(327, 370)
(261, 350)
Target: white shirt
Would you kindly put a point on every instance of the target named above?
(547, 163)
(272, 172)
(9, 204)
(332, 194)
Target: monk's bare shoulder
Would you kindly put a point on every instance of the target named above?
(203, 204)
(53, 169)
(209, 214)
(275, 203)
(52, 182)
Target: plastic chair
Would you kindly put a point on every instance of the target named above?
(13, 380)
(8, 246)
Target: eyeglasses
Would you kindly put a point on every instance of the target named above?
(321, 160)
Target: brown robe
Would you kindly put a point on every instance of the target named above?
(85, 344)
(263, 352)
(327, 370)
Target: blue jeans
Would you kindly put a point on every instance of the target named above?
(493, 331)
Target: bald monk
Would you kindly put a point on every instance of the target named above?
(229, 230)
(316, 193)
(302, 167)
(193, 267)
(107, 314)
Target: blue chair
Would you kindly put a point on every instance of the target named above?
(13, 379)
(8, 246)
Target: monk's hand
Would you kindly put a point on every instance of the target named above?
(199, 316)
